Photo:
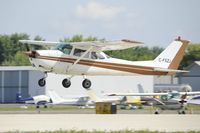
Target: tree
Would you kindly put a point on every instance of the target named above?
(79, 38)
(192, 54)
(136, 54)
(20, 59)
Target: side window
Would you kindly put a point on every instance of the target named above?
(100, 56)
(67, 49)
(80, 52)
(93, 55)
(96, 55)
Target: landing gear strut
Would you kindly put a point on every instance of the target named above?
(86, 83)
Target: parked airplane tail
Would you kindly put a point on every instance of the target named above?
(93, 96)
(18, 98)
(171, 57)
(55, 98)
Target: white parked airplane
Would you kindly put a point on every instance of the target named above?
(87, 58)
(37, 100)
(167, 101)
(58, 100)
(53, 99)
(93, 97)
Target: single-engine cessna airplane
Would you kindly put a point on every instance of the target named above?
(168, 100)
(87, 58)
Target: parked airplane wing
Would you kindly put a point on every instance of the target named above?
(137, 94)
(190, 93)
(97, 45)
(195, 100)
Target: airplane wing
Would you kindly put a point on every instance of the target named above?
(137, 94)
(97, 45)
(190, 93)
(195, 102)
(42, 43)
(108, 45)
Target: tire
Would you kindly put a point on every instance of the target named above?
(86, 83)
(66, 83)
(156, 113)
(183, 112)
(42, 82)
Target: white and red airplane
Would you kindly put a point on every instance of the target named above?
(87, 58)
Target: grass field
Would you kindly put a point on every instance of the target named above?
(29, 108)
(83, 131)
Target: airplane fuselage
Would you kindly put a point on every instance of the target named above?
(57, 62)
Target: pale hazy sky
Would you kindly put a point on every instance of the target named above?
(155, 22)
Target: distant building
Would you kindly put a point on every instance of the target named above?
(24, 79)
(192, 77)
(100, 84)
(165, 79)
(18, 79)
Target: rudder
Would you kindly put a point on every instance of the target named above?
(171, 57)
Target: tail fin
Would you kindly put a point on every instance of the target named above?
(140, 88)
(171, 57)
(93, 96)
(18, 97)
(54, 97)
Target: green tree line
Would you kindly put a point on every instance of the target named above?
(12, 52)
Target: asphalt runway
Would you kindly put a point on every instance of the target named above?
(51, 122)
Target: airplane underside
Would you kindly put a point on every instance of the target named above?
(81, 69)
(179, 107)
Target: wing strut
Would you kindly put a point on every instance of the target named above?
(81, 57)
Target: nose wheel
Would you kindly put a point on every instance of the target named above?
(42, 82)
(86, 84)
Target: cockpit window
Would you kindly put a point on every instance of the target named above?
(91, 55)
(65, 48)
(80, 52)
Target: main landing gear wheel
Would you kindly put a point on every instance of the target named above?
(42, 82)
(181, 112)
(66, 83)
(156, 113)
(86, 83)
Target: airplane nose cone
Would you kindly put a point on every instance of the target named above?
(32, 54)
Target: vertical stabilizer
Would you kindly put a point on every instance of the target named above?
(171, 57)
(93, 96)
(18, 97)
(55, 97)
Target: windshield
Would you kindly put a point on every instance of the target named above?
(65, 48)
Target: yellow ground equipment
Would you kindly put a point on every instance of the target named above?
(106, 108)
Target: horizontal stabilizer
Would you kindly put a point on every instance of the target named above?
(170, 70)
